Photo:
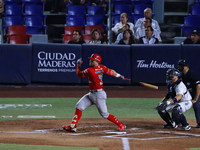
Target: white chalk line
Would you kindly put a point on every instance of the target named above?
(3, 106)
(120, 135)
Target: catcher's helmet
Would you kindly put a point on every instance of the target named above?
(95, 57)
(171, 73)
(182, 63)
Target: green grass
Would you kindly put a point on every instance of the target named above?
(36, 147)
(65, 107)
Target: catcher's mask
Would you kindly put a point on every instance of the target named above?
(95, 57)
(182, 63)
(171, 73)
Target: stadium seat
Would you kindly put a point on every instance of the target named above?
(87, 38)
(88, 29)
(192, 21)
(95, 20)
(12, 1)
(16, 29)
(136, 17)
(95, 10)
(76, 10)
(13, 20)
(122, 1)
(35, 24)
(139, 8)
(143, 1)
(67, 38)
(13, 9)
(196, 10)
(69, 30)
(34, 1)
(33, 9)
(123, 8)
(75, 21)
(18, 39)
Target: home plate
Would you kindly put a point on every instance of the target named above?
(116, 132)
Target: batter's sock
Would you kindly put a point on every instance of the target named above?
(114, 120)
(76, 118)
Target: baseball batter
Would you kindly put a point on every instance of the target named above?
(180, 101)
(97, 96)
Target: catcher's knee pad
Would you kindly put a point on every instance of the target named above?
(177, 111)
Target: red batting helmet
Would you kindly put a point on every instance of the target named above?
(95, 57)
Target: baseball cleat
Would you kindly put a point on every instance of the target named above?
(69, 128)
(121, 127)
(187, 128)
(198, 126)
(172, 125)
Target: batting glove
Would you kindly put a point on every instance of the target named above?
(122, 77)
(79, 62)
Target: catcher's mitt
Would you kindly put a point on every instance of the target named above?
(161, 106)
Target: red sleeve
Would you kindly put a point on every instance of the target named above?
(79, 73)
(108, 71)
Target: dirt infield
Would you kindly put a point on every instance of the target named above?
(141, 134)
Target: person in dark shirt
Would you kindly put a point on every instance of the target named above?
(77, 35)
(193, 85)
(128, 38)
(194, 39)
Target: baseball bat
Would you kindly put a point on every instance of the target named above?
(149, 85)
(127, 79)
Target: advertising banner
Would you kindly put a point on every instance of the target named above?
(15, 63)
(150, 62)
(115, 57)
(55, 63)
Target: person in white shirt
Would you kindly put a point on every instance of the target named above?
(147, 13)
(141, 31)
(149, 38)
(118, 28)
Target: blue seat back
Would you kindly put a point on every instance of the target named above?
(136, 17)
(196, 10)
(13, 9)
(192, 21)
(123, 8)
(34, 1)
(95, 10)
(33, 9)
(75, 21)
(13, 20)
(77, 10)
(12, 1)
(187, 31)
(139, 8)
(95, 20)
(36, 21)
(122, 1)
(35, 30)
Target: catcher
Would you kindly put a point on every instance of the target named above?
(180, 101)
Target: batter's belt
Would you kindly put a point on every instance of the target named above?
(96, 90)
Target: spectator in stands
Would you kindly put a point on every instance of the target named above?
(97, 37)
(118, 28)
(99, 3)
(128, 38)
(147, 13)
(77, 36)
(194, 39)
(149, 38)
(120, 35)
(140, 32)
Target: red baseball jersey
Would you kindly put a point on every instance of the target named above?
(94, 75)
